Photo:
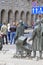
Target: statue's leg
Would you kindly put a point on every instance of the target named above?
(17, 49)
(34, 53)
(40, 52)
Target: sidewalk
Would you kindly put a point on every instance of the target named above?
(6, 57)
(14, 61)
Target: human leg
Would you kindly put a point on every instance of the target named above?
(6, 39)
(3, 39)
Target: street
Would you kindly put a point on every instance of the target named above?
(7, 56)
(7, 53)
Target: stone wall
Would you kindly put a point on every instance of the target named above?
(11, 10)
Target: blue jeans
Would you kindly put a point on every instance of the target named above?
(12, 36)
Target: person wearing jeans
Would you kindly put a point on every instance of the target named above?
(12, 34)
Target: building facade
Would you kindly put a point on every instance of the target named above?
(14, 10)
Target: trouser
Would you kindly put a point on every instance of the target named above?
(12, 36)
(40, 53)
(9, 36)
(5, 38)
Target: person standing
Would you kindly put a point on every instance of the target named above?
(8, 26)
(13, 32)
(4, 31)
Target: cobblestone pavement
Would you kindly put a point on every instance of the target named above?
(6, 57)
(8, 51)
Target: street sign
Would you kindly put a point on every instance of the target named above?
(37, 10)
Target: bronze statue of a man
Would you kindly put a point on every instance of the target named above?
(37, 38)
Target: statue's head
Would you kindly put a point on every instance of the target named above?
(21, 22)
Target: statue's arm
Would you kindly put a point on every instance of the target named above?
(33, 35)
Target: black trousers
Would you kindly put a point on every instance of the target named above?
(4, 36)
